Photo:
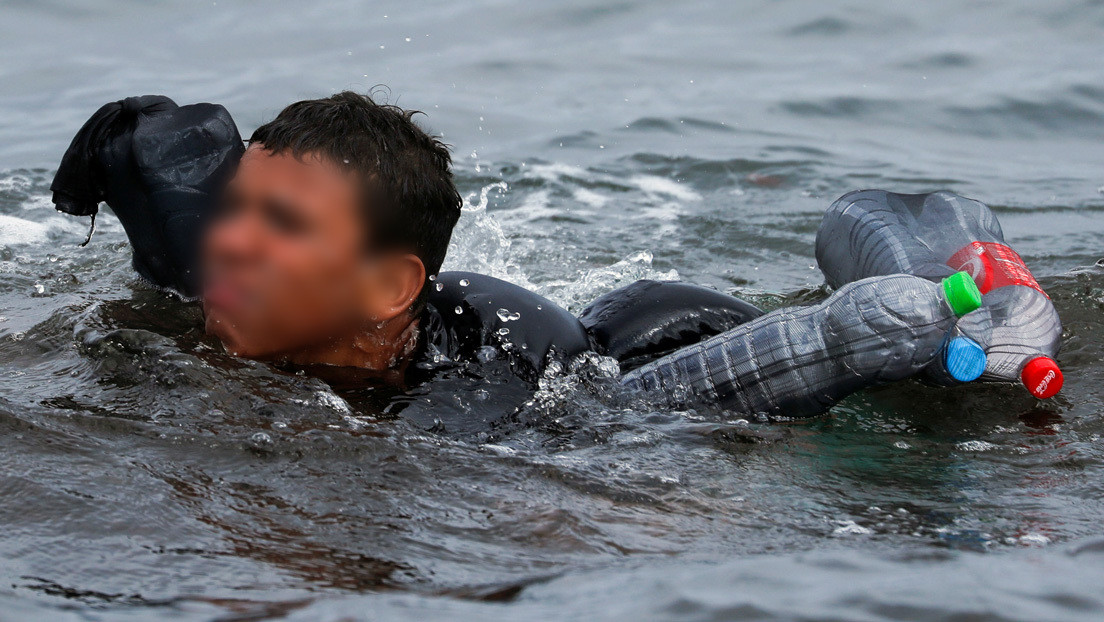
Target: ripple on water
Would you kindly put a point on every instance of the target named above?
(147, 474)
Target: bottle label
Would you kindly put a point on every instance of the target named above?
(993, 265)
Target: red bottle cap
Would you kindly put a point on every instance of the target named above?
(1042, 377)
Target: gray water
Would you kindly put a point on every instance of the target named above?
(144, 474)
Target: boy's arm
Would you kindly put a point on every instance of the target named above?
(649, 319)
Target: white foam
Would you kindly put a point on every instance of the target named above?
(976, 446)
(555, 171)
(1034, 539)
(653, 185)
(39, 202)
(535, 206)
(19, 231)
(502, 450)
(19, 183)
(850, 528)
(576, 292)
(590, 198)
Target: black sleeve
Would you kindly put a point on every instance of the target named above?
(648, 319)
(159, 167)
(474, 310)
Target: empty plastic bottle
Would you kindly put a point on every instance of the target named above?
(799, 361)
(873, 232)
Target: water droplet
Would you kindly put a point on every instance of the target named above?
(506, 315)
(464, 282)
(504, 331)
(18, 336)
(440, 286)
(459, 310)
(260, 438)
(486, 354)
(539, 307)
(39, 288)
(432, 277)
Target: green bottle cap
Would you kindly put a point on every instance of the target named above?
(962, 294)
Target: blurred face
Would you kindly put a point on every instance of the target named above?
(284, 258)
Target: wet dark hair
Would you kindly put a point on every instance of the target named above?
(410, 200)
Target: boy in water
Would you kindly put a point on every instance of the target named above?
(322, 242)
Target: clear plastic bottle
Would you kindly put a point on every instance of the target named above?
(873, 232)
(799, 361)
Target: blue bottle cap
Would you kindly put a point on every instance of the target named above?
(965, 359)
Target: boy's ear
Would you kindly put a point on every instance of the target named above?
(394, 283)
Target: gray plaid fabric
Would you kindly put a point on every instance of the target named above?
(798, 362)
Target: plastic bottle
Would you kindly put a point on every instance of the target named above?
(873, 232)
(799, 361)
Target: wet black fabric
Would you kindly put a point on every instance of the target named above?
(469, 311)
(160, 167)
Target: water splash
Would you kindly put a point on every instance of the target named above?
(576, 293)
(479, 243)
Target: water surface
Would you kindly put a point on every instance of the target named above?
(147, 475)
